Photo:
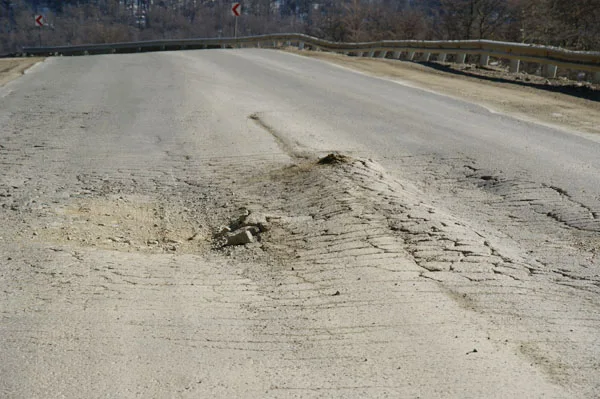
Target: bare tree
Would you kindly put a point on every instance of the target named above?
(473, 19)
(354, 20)
(572, 24)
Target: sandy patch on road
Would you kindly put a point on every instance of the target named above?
(528, 103)
(12, 68)
(131, 223)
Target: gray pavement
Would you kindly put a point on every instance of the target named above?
(453, 254)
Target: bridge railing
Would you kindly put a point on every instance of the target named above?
(551, 58)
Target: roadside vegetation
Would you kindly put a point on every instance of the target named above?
(569, 24)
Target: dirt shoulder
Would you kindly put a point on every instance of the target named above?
(526, 97)
(12, 68)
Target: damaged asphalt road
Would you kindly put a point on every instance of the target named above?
(256, 224)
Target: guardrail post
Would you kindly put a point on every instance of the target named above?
(411, 56)
(515, 65)
(300, 45)
(596, 78)
(396, 54)
(484, 59)
(441, 57)
(371, 53)
(461, 58)
(382, 54)
(549, 71)
(425, 57)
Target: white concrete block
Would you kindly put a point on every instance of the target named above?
(484, 59)
(515, 65)
(549, 71)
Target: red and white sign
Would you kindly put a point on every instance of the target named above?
(39, 20)
(236, 9)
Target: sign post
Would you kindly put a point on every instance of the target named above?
(236, 10)
(39, 22)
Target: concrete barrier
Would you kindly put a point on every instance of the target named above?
(515, 65)
(484, 60)
(549, 71)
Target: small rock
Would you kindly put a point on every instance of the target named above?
(223, 230)
(335, 293)
(256, 219)
(240, 237)
(195, 237)
(255, 230)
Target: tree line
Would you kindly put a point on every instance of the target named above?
(573, 24)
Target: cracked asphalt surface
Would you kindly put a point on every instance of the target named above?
(448, 251)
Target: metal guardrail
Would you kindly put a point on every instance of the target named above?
(550, 57)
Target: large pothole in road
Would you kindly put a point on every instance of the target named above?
(126, 223)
